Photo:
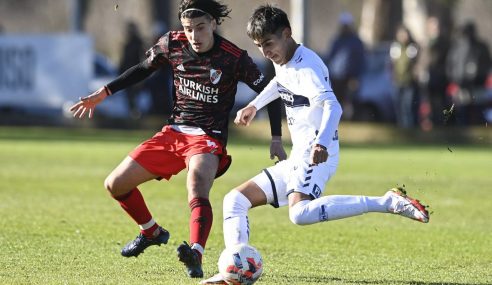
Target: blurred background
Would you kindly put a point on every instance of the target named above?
(417, 65)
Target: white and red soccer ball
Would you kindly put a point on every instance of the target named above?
(240, 265)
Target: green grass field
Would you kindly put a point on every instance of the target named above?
(59, 226)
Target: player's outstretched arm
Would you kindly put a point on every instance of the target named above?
(87, 104)
(245, 115)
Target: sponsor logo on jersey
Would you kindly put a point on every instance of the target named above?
(215, 75)
(198, 91)
(290, 99)
(180, 67)
(298, 59)
(259, 80)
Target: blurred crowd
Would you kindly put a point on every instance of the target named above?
(445, 81)
(133, 52)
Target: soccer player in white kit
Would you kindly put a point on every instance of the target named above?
(313, 114)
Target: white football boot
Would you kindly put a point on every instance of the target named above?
(406, 206)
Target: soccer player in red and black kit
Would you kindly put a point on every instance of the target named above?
(206, 69)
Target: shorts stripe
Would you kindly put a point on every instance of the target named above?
(274, 189)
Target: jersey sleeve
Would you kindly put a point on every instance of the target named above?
(317, 86)
(266, 96)
(332, 112)
(130, 77)
(275, 117)
(250, 74)
(158, 54)
(255, 79)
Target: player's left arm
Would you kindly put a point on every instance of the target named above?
(332, 112)
(319, 85)
(254, 78)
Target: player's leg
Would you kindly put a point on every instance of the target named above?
(333, 207)
(268, 187)
(235, 211)
(307, 207)
(202, 169)
(122, 184)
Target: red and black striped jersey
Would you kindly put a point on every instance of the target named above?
(205, 83)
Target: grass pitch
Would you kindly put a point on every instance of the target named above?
(59, 226)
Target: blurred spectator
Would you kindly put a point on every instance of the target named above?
(133, 52)
(160, 83)
(467, 66)
(345, 60)
(404, 52)
(434, 79)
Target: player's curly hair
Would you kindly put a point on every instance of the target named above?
(266, 19)
(213, 8)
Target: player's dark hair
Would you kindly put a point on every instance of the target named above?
(266, 20)
(213, 8)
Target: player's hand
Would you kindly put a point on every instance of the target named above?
(87, 104)
(319, 154)
(245, 115)
(277, 149)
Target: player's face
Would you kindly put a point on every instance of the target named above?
(200, 32)
(275, 47)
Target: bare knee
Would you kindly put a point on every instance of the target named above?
(199, 184)
(111, 183)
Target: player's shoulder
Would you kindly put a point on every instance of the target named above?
(307, 62)
(229, 47)
(177, 36)
(305, 57)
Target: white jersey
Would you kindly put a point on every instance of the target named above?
(313, 112)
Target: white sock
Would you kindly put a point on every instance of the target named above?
(327, 208)
(236, 224)
(377, 204)
(198, 247)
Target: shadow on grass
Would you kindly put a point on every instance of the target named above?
(329, 280)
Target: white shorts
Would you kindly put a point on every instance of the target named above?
(295, 175)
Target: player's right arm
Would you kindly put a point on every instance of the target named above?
(246, 114)
(156, 57)
(133, 75)
(87, 104)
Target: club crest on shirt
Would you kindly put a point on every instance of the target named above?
(215, 75)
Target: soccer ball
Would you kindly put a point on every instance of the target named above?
(240, 264)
